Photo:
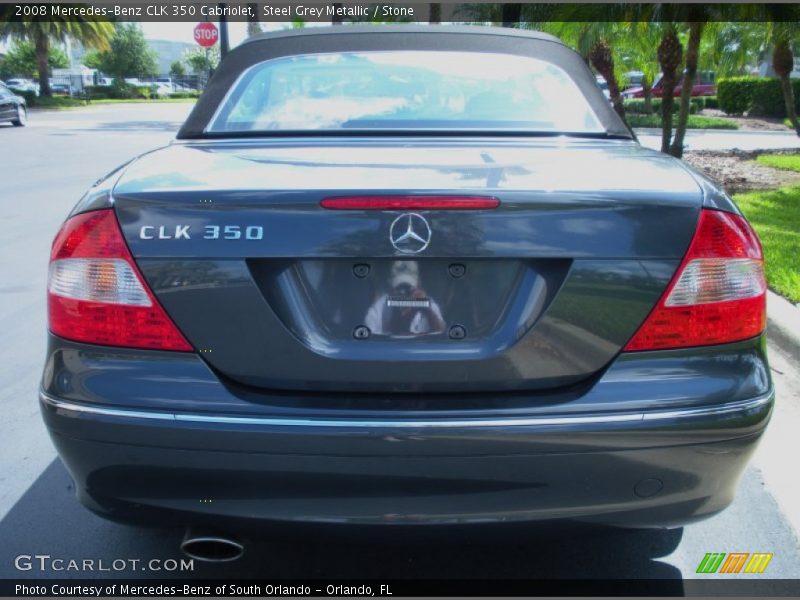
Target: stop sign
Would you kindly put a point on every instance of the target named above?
(206, 34)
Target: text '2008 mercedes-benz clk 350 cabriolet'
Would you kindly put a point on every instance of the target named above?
(405, 276)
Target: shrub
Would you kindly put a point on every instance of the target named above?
(767, 99)
(711, 102)
(184, 95)
(735, 94)
(120, 90)
(694, 122)
(97, 92)
(144, 91)
(757, 96)
(637, 106)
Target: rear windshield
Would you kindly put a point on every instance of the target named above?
(407, 90)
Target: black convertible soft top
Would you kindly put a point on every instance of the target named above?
(362, 38)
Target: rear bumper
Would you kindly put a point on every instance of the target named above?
(662, 467)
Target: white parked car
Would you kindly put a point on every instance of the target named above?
(23, 85)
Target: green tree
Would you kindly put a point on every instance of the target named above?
(89, 31)
(93, 60)
(130, 55)
(177, 70)
(202, 61)
(20, 61)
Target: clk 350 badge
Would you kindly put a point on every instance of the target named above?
(210, 232)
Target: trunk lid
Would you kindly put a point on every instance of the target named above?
(276, 292)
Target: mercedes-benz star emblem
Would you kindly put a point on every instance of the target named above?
(410, 233)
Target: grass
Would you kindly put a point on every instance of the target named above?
(58, 102)
(63, 102)
(694, 122)
(787, 162)
(775, 215)
(142, 101)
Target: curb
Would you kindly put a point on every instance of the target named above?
(783, 324)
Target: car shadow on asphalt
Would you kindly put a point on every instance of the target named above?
(49, 520)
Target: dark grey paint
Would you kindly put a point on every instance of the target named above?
(149, 471)
(220, 308)
(577, 262)
(183, 382)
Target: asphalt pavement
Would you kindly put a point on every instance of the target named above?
(44, 170)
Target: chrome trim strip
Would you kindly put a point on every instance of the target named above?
(740, 406)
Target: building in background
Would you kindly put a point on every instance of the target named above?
(167, 52)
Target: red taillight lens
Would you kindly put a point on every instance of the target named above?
(717, 296)
(95, 293)
(410, 203)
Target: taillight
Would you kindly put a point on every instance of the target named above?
(95, 293)
(718, 294)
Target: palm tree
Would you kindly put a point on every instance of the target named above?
(638, 52)
(689, 74)
(475, 13)
(670, 57)
(511, 15)
(434, 13)
(733, 47)
(700, 18)
(782, 30)
(592, 40)
(90, 32)
(783, 63)
(336, 18)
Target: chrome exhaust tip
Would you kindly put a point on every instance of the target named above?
(211, 547)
